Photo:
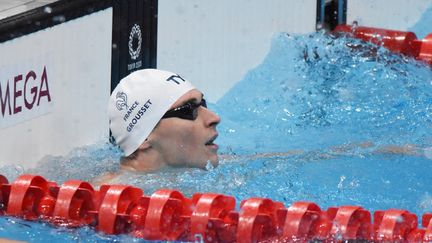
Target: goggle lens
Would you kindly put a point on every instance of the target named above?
(188, 111)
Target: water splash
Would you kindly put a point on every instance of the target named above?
(82, 163)
(317, 91)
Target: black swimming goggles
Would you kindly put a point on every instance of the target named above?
(188, 111)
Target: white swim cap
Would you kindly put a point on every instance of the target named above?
(138, 103)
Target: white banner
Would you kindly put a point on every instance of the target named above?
(25, 92)
(54, 89)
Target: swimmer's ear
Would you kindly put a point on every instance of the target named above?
(145, 145)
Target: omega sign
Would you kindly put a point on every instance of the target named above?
(134, 44)
(24, 96)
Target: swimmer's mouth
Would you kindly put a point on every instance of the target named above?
(210, 142)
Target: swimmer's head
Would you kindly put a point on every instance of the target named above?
(159, 115)
(138, 103)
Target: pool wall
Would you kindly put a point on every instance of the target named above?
(215, 43)
(400, 15)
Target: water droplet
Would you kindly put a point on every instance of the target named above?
(209, 166)
(199, 238)
(19, 169)
(288, 113)
(340, 184)
(400, 219)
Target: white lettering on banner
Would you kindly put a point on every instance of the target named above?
(24, 96)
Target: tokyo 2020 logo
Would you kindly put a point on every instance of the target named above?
(135, 34)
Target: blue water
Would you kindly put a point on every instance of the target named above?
(312, 122)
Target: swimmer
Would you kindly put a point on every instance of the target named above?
(160, 120)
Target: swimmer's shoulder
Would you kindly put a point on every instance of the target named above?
(107, 178)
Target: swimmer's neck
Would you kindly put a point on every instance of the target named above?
(140, 164)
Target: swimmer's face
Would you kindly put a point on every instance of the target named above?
(187, 143)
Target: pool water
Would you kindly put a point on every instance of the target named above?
(319, 120)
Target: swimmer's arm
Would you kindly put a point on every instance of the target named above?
(230, 157)
(407, 149)
(106, 178)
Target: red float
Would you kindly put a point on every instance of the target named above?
(212, 218)
(403, 42)
(74, 204)
(30, 197)
(351, 223)
(257, 220)
(394, 225)
(114, 211)
(303, 221)
(425, 53)
(168, 216)
(4, 193)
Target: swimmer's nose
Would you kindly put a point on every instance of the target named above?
(210, 118)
